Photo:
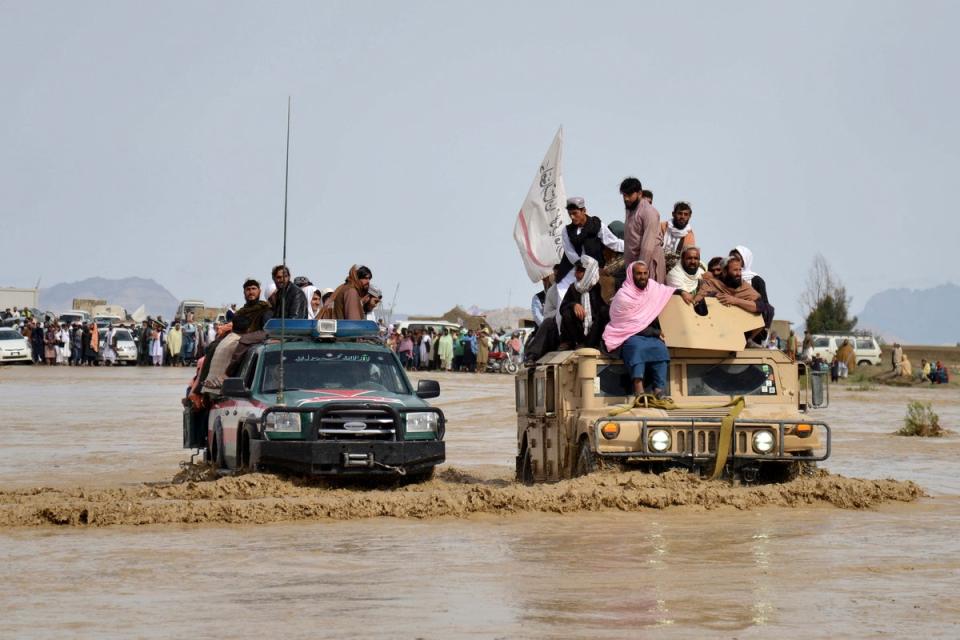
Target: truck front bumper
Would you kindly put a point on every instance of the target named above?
(695, 440)
(341, 458)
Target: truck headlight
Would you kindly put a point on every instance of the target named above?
(422, 422)
(282, 421)
(763, 441)
(659, 440)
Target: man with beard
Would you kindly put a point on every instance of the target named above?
(288, 300)
(641, 231)
(346, 303)
(686, 274)
(677, 234)
(254, 310)
(371, 301)
(586, 235)
(732, 291)
(224, 354)
(583, 313)
(634, 328)
(752, 278)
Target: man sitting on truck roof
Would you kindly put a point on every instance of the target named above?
(255, 310)
(583, 314)
(635, 329)
(732, 290)
(687, 273)
(288, 300)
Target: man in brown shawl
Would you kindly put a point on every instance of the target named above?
(731, 290)
(346, 303)
(641, 231)
(257, 311)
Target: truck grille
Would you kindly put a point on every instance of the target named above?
(356, 424)
(704, 441)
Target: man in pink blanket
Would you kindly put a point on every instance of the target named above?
(635, 329)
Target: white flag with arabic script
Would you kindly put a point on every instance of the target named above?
(543, 215)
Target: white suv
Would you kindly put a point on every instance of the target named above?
(866, 348)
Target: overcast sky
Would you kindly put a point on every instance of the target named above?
(147, 139)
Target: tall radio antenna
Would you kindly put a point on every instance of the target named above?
(283, 297)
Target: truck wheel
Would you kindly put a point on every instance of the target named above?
(863, 363)
(243, 451)
(220, 457)
(586, 459)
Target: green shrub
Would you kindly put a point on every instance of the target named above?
(921, 421)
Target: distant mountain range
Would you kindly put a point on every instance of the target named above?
(915, 316)
(129, 293)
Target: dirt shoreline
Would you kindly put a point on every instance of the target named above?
(259, 498)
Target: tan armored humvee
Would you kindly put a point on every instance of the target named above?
(735, 412)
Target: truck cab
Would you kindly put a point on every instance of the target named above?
(341, 406)
(733, 412)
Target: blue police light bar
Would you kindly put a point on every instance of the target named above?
(322, 328)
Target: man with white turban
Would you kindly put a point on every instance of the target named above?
(687, 274)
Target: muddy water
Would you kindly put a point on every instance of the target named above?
(727, 563)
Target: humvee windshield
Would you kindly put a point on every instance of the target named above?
(730, 379)
(334, 369)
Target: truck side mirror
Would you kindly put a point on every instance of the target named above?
(234, 388)
(427, 389)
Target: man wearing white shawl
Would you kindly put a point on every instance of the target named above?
(687, 273)
(635, 327)
(583, 312)
(677, 234)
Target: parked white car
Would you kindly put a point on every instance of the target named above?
(14, 347)
(866, 348)
(126, 347)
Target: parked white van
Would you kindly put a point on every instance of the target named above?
(423, 325)
(865, 347)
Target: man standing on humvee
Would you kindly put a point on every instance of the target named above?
(635, 329)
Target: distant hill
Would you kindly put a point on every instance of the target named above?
(915, 316)
(129, 293)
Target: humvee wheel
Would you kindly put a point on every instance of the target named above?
(586, 459)
(525, 467)
(779, 472)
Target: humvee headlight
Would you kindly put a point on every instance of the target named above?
(610, 430)
(763, 441)
(421, 422)
(659, 440)
(282, 421)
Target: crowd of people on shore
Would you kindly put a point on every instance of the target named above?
(450, 350)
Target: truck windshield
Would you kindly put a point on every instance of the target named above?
(730, 380)
(334, 369)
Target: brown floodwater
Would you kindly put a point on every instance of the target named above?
(470, 553)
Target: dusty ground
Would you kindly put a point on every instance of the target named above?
(847, 553)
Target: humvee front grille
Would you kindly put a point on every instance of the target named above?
(356, 424)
